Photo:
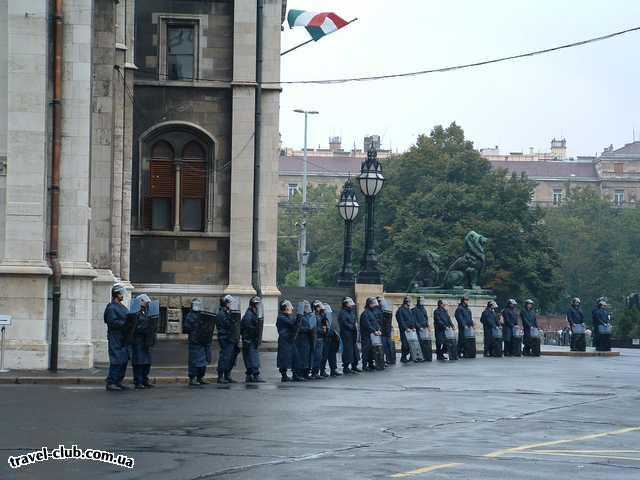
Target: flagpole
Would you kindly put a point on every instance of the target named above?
(310, 40)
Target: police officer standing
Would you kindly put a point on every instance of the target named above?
(287, 326)
(575, 317)
(600, 317)
(320, 333)
(143, 339)
(331, 343)
(251, 327)
(115, 316)
(304, 341)
(442, 321)
(529, 321)
(200, 329)
(406, 321)
(510, 320)
(422, 322)
(349, 336)
(489, 320)
(228, 338)
(463, 319)
(368, 325)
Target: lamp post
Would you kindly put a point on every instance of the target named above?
(303, 254)
(348, 207)
(371, 181)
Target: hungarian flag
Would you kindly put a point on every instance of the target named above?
(317, 24)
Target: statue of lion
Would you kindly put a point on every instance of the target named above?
(429, 276)
(465, 271)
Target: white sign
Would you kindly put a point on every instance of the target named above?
(5, 320)
(635, 341)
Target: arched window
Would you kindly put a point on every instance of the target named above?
(175, 176)
(160, 201)
(193, 187)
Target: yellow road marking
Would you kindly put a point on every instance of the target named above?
(589, 455)
(499, 453)
(422, 470)
(589, 451)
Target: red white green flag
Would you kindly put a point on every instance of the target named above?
(317, 24)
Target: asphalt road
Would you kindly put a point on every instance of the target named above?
(524, 418)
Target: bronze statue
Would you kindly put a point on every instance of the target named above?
(465, 271)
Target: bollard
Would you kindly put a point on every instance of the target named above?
(2, 369)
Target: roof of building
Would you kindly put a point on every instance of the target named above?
(338, 165)
(632, 148)
(549, 169)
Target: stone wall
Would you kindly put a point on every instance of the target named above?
(179, 260)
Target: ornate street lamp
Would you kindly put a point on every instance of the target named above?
(348, 207)
(371, 181)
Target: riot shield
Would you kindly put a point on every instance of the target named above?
(578, 328)
(604, 329)
(206, 326)
(469, 332)
(414, 345)
(300, 308)
(136, 305)
(424, 334)
(450, 334)
(534, 332)
(259, 323)
(154, 308)
(376, 340)
(517, 331)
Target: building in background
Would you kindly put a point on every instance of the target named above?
(325, 166)
(156, 166)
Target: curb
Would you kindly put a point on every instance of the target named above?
(84, 380)
(579, 354)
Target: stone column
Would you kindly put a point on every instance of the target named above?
(269, 166)
(105, 80)
(242, 148)
(23, 270)
(76, 302)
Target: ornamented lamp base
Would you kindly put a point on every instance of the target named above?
(370, 277)
(344, 279)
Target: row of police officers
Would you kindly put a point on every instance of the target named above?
(310, 337)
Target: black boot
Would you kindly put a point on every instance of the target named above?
(202, 381)
(193, 382)
(111, 387)
(355, 369)
(404, 359)
(324, 374)
(227, 377)
(335, 373)
(285, 377)
(248, 379)
(221, 379)
(298, 378)
(258, 379)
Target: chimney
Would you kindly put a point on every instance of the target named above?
(559, 149)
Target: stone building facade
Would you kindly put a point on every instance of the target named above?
(122, 106)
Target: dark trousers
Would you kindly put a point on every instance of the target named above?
(228, 354)
(329, 352)
(116, 373)
(367, 359)
(197, 372)
(404, 345)
(386, 346)
(440, 346)
(141, 374)
(251, 358)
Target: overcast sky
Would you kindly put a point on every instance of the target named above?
(589, 94)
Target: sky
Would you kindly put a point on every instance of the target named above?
(589, 95)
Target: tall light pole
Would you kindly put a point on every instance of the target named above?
(303, 254)
(348, 207)
(371, 181)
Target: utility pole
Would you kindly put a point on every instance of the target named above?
(303, 254)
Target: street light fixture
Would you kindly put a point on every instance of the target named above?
(371, 182)
(348, 208)
(303, 254)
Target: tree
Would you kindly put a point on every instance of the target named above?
(597, 246)
(433, 195)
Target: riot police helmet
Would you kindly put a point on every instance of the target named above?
(118, 289)
(196, 305)
(372, 302)
(286, 305)
(576, 301)
(511, 302)
(348, 302)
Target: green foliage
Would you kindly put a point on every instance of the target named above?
(597, 244)
(433, 195)
(627, 324)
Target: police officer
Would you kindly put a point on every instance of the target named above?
(600, 316)
(304, 340)
(463, 319)
(386, 324)
(406, 321)
(349, 336)
(510, 320)
(489, 320)
(320, 333)
(143, 340)
(200, 330)
(442, 321)
(227, 339)
(575, 317)
(251, 331)
(115, 316)
(529, 321)
(421, 320)
(287, 326)
(368, 325)
(331, 343)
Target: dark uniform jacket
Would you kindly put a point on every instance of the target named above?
(510, 318)
(225, 324)
(575, 315)
(529, 320)
(368, 323)
(405, 318)
(115, 316)
(489, 319)
(420, 317)
(249, 327)
(441, 320)
(463, 317)
(347, 321)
